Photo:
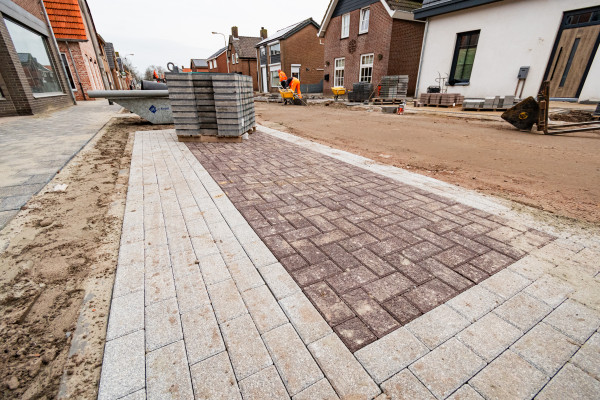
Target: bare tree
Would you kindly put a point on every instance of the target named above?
(128, 65)
(149, 73)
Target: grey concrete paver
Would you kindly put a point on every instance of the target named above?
(292, 359)
(475, 302)
(304, 317)
(571, 383)
(265, 384)
(123, 369)
(163, 325)
(405, 386)
(201, 333)
(447, 367)
(226, 300)
(506, 283)
(213, 379)
(466, 392)
(509, 377)
(437, 326)
(126, 315)
(550, 290)
(168, 373)
(34, 148)
(489, 336)
(588, 357)
(263, 307)
(321, 390)
(523, 311)
(575, 320)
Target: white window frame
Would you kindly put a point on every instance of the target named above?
(295, 68)
(233, 58)
(274, 75)
(339, 81)
(364, 21)
(215, 63)
(237, 58)
(362, 65)
(345, 31)
(275, 44)
(68, 68)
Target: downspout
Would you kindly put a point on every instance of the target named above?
(421, 60)
(58, 52)
(76, 72)
(92, 27)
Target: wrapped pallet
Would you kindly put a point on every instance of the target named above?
(211, 106)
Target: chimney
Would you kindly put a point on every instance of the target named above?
(234, 31)
(263, 33)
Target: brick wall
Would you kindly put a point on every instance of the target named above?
(246, 66)
(19, 98)
(83, 71)
(405, 51)
(376, 41)
(221, 64)
(303, 48)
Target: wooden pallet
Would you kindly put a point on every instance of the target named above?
(440, 105)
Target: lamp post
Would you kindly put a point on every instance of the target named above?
(226, 54)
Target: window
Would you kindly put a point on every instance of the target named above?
(263, 51)
(215, 63)
(295, 70)
(237, 59)
(464, 56)
(366, 68)
(275, 49)
(364, 20)
(63, 58)
(32, 49)
(569, 62)
(338, 75)
(274, 75)
(345, 25)
(232, 58)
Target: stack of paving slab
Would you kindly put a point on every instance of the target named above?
(491, 103)
(211, 105)
(441, 99)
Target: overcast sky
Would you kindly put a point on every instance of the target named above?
(159, 31)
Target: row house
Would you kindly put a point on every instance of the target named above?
(503, 47)
(242, 55)
(78, 52)
(198, 65)
(217, 62)
(366, 40)
(32, 77)
(297, 51)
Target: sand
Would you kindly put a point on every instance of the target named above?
(559, 174)
(59, 246)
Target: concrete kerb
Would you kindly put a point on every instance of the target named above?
(315, 329)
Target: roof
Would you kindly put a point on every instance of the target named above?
(218, 53)
(288, 31)
(397, 9)
(66, 20)
(245, 45)
(432, 8)
(198, 63)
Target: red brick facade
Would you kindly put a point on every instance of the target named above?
(395, 44)
(17, 97)
(221, 63)
(245, 66)
(302, 48)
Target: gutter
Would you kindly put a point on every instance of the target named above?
(449, 6)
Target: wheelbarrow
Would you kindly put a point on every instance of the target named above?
(338, 91)
(289, 97)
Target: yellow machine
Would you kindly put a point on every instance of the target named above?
(338, 91)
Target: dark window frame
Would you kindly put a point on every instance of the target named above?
(457, 48)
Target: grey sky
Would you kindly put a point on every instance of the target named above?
(159, 31)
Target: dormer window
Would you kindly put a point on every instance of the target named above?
(364, 20)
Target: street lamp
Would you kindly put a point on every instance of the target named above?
(226, 54)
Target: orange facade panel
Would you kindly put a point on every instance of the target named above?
(65, 17)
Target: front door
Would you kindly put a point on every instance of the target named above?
(263, 73)
(573, 53)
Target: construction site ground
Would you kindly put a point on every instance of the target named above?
(476, 150)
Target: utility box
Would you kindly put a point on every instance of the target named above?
(523, 72)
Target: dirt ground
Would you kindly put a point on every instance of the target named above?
(560, 174)
(59, 243)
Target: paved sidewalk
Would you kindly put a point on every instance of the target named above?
(35, 147)
(202, 308)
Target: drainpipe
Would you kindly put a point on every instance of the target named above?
(421, 60)
(58, 52)
(92, 27)
(76, 72)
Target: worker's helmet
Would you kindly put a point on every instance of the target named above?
(279, 70)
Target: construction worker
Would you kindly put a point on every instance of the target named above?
(282, 78)
(294, 84)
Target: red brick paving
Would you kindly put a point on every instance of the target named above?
(370, 253)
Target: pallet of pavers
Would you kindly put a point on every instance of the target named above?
(495, 103)
(211, 107)
(441, 99)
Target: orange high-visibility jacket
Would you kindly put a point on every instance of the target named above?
(282, 76)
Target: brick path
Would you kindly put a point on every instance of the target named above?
(371, 253)
(35, 147)
(202, 308)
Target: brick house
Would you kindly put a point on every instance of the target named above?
(32, 78)
(198, 65)
(297, 51)
(242, 55)
(106, 70)
(368, 39)
(77, 51)
(218, 62)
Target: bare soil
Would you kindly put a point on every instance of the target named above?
(559, 174)
(49, 253)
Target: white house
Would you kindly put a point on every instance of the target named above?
(481, 46)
